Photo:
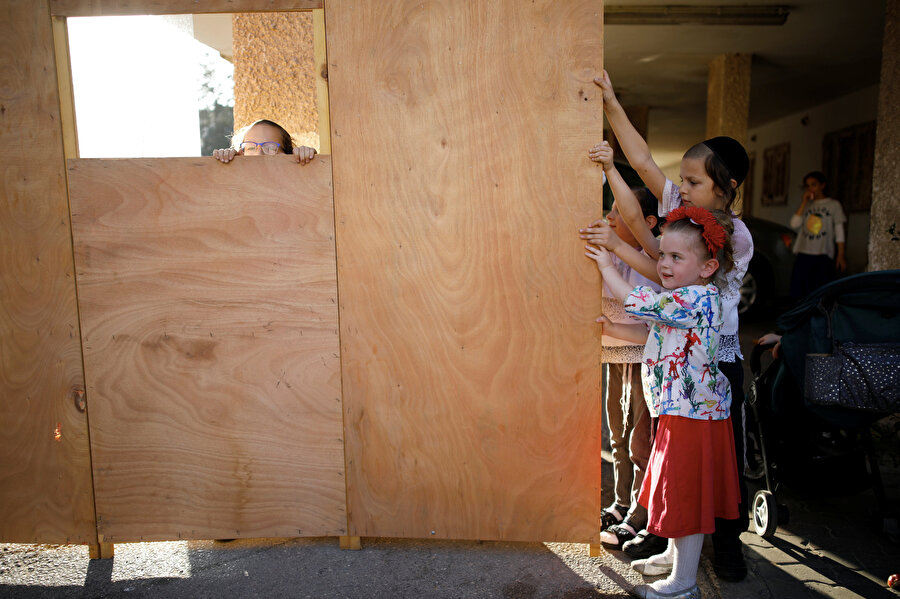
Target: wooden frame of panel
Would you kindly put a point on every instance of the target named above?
(104, 8)
(46, 492)
(44, 526)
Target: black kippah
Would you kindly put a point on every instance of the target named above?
(732, 154)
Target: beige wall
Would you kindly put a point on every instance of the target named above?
(274, 72)
(804, 130)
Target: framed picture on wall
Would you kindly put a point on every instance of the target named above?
(776, 172)
(848, 158)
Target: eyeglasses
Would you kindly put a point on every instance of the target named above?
(267, 147)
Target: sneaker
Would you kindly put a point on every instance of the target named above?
(645, 591)
(645, 544)
(647, 568)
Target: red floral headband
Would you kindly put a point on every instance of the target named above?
(714, 234)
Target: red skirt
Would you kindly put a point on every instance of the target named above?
(692, 477)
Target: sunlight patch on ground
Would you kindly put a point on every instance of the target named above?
(43, 565)
(167, 559)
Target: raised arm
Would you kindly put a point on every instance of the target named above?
(642, 263)
(619, 287)
(599, 233)
(635, 333)
(626, 202)
(636, 149)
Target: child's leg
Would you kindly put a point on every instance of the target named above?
(684, 570)
(728, 560)
(658, 564)
(636, 432)
(638, 446)
(617, 425)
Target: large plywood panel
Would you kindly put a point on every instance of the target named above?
(45, 472)
(470, 355)
(209, 305)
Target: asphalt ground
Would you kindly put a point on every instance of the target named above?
(835, 546)
(824, 552)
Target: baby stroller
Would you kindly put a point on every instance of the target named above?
(838, 372)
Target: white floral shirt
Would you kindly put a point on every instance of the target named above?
(613, 350)
(680, 370)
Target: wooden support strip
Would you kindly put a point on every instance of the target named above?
(46, 494)
(595, 550)
(98, 8)
(350, 543)
(101, 550)
(66, 93)
(321, 66)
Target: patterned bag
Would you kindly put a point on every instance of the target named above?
(859, 376)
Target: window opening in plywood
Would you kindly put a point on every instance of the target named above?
(178, 85)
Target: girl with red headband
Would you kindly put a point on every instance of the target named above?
(691, 478)
(711, 173)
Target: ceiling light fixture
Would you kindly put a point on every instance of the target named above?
(678, 14)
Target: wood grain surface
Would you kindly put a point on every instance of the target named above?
(45, 471)
(471, 373)
(208, 298)
(97, 8)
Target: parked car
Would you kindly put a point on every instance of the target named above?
(768, 278)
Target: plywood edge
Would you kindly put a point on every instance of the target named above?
(101, 551)
(348, 543)
(321, 74)
(64, 81)
(105, 8)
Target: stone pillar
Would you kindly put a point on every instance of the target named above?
(728, 103)
(728, 96)
(274, 72)
(884, 231)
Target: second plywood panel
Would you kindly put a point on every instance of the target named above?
(209, 308)
(470, 360)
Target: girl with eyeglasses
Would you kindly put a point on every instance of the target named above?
(264, 137)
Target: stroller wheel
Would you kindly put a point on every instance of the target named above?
(765, 513)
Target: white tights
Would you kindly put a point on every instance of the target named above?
(684, 555)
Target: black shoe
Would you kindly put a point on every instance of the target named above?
(644, 545)
(614, 514)
(729, 565)
(617, 535)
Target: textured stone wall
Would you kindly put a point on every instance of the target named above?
(728, 96)
(884, 233)
(728, 102)
(274, 72)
